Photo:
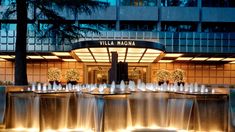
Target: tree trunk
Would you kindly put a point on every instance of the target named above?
(20, 50)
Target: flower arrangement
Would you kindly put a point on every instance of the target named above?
(72, 75)
(163, 75)
(54, 74)
(178, 75)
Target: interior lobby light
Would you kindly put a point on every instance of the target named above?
(214, 59)
(50, 57)
(2, 59)
(165, 61)
(199, 58)
(61, 53)
(35, 57)
(229, 59)
(184, 58)
(6, 57)
(69, 59)
(173, 55)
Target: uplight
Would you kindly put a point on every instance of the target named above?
(50, 57)
(6, 57)
(199, 58)
(214, 59)
(165, 61)
(184, 58)
(173, 55)
(229, 59)
(61, 53)
(35, 57)
(69, 59)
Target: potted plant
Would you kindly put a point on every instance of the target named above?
(72, 76)
(178, 76)
(163, 76)
(54, 75)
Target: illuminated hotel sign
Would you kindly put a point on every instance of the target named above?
(117, 43)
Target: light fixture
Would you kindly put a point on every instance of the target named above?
(131, 60)
(61, 53)
(149, 55)
(199, 58)
(145, 60)
(132, 57)
(153, 51)
(88, 60)
(100, 50)
(100, 54)
(136, 55)
(232, 62)
(184, 58)
(84, 50)
(214, 59)
(119, 50)
(101, 60)
(102, 57)
(34, 57)
(173, 55)
(69, 59)
(82, 54)
(165, 61)
(86, 57)
(6, 57)
(229, 59)
(136, 50)
(50, 57)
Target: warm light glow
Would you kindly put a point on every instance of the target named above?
(136, 55)
(50, 57)
(232, 62)
(69, 59)
(6, 56)
(184, 58)
(132, 60)
(214, 59)
(123, 50)
(173, 55)
(146, 60)
(25, 129)
(132, 57)
(229, 59)
(2, 59)
(153, 51)
(101, 57)
(136, 50)
(100, 54)
(149, 57)
(88, 60)
(199, 58)
(100, 60)
(100, 50)
(149, 54)
(35, 57)
(61, 53)
(165, 61)
(83, 54)
(81, 50)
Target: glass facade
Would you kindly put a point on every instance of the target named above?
(178, 27)
(139, 2)
(138, 26)
(99, 25)
(218, 3)
(111, 2)
(218, 27)
(182, 3)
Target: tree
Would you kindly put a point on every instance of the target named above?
(51, 10)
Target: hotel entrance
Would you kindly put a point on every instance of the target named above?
(98, 73)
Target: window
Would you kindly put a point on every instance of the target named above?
(139, 2)
(138, 26)
(8, 26)
(218, 27)
(99, 25)
(7, 2)
(111, 2)
(178, 26)
(182, 3)
(218, 3)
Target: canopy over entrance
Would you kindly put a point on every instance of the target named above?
(128, 50)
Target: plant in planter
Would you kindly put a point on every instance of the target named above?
(178, 76)
(163, 76)
(72, 76)
(54, 75)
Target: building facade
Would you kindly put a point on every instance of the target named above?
(198, 36)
